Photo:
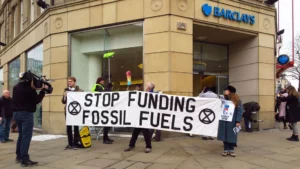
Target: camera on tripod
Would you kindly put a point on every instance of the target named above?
(37, 82)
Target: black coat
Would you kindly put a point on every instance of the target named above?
(6, 107)
(292, 108)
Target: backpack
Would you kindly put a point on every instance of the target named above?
(85, 138)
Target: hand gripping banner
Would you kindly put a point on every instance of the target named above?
(193, 115)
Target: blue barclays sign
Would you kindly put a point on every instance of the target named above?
(228, 14)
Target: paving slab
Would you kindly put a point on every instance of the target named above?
(100, 163)
(164, 166)
(281, 157)
(121, 165)
(190, 163)
(272, 164)
(139, 165)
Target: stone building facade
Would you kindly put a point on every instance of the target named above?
(180, 45)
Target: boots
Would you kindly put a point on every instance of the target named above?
(293, 138)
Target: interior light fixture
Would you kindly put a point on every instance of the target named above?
(202, 38)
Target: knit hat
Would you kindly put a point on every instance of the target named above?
(231, 89)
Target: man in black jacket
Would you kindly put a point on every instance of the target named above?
(6, 113)
(249, 109)
(24, 102)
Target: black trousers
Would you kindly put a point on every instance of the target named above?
(73, 140)
(105, 133)
(135, 135)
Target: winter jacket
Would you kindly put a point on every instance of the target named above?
(292, 108)
(6, 110)
(208, 94)
(248, 109)
(25, 98)
(225, 130)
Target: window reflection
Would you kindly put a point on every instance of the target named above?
(34, 63)
(13, 74)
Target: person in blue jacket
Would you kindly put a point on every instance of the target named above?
(226, 129)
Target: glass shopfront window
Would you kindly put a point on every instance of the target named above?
(34, 63)
(210, 66)
(88, 61)
(13, 74)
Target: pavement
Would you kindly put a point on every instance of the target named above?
(259, 150)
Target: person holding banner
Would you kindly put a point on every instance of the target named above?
(99, 87)
(207, 93)
(227, 131)
(72, 141)
(146, 132)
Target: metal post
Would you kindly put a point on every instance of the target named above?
(108, 69)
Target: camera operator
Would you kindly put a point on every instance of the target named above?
(24, 102)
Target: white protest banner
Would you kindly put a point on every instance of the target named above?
(193, 115)
(227, 110)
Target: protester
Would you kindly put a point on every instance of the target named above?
(24, 102)
(208, 93)
(72, 141)
(6, 114)
(292, 110)
(281, 109)
(249, 109)
(226, 129)
(149, 88)
(99, 87)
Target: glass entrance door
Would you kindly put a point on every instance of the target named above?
(216, 82)
(222, 83)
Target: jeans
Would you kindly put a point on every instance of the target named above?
(135, 135)
(247, 124)
(24, 121)
(228, 147)
(5, 128)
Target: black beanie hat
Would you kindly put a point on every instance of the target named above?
(231, 89)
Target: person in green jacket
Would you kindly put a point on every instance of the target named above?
(99, 87)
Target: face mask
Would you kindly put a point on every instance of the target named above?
(254, 112)
(72, 88)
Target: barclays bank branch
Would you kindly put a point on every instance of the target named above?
(180, 45)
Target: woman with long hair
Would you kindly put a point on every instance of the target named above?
(292, 110)
(226, 129)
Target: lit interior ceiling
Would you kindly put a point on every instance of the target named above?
(213, 34)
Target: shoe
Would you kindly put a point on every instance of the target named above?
(232, 154)
(293, 138)
(224, 153)
(74, 147)
(107, 142)
(110, 140)
(129, 149)
(204, 138)
(18, 160)
(3, 141)
(158, 140)
(147, 150)
(235, 145)
(27, 163)
(9, 140)
(68, 147)
(285, 127)
(211, 138)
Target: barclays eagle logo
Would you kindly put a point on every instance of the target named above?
(206, 9)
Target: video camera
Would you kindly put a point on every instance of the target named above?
(37, 82)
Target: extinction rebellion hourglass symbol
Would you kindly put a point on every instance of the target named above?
(207, 116)
(74, 108)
